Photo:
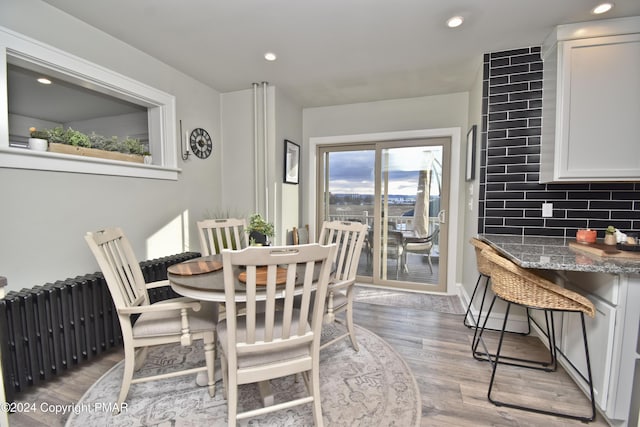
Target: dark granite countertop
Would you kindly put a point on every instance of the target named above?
(554, 253)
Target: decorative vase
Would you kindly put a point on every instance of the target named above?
(258, 238)
(610, 239)
(586, 236)
(38, 144)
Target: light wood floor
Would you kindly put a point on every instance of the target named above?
(436, 346)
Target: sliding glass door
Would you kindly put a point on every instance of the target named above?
(397, 189)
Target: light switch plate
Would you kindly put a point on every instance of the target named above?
(547, 210)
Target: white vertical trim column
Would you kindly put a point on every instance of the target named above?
(255, 148)
(265, 126)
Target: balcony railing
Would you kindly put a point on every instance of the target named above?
(401, 223)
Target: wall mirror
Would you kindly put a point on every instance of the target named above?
(86, 97)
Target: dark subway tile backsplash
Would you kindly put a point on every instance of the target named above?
(611, 205)
(510, 197)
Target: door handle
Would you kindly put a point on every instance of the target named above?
(442, 217)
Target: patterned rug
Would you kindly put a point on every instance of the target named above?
(441, 303)
(373, 387)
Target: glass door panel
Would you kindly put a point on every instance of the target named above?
(397, 189)
(411, 191)
(348, 191)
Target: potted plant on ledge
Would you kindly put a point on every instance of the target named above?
(259, 230)
(70, 141)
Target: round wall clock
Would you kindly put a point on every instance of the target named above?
(200, 143)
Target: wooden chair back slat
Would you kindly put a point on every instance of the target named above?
(282, 321)
(218, 234)
(300, 236)
(120, 267)
(349, 236)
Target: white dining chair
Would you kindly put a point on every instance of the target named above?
(278, 341)
(422, 246)
(349, 236)
(301, 235)
(223, 233)
(176, 320)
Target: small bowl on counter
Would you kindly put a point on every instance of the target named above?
(586, 236)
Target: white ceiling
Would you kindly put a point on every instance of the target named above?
(333, 52)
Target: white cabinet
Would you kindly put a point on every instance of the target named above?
(614, 342)
(591, 102)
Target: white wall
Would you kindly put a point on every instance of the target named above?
(468, 270)
(284, 120)
(44, 215)
(238, 153)
(288, 126)
(422, 113)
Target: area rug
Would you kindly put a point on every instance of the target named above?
(441, 303)
(372, 387)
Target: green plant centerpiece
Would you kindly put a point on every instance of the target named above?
(75, 138)
(259, 230)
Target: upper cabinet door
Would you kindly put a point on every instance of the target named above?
(591, 110)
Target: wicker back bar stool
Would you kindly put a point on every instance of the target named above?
(516, 285)
(484, 278)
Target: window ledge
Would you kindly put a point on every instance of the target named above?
(22, 158)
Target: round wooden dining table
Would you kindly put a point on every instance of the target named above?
(203, 279)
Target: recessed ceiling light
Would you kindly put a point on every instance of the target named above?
(270, 56)
(44, 81)
(602, 8)
(454, 22)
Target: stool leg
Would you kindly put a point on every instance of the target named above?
(497, 355)
(542, 365)
(477, 337)
(590, 378)
(473, 294)
(479, 319)
(551, 335)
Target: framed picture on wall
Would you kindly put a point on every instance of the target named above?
(291, 162)
(470, 174)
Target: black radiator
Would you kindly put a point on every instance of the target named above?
(50, 329)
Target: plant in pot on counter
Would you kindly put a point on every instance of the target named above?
(259, 230)
(610, 235)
